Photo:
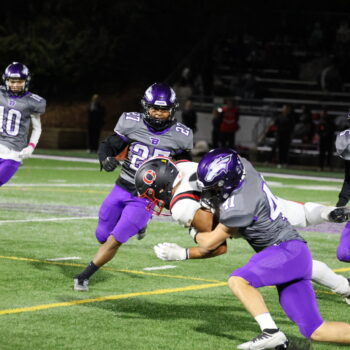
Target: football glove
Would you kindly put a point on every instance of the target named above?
(109, 164)
(26, 152)
(170, 251)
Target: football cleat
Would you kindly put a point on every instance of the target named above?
(81, 286)
(142, 233)
(266, 340)
(339, 215)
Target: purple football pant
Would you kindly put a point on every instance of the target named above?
(122, 215)
(288, 266)
(343, 250)
(8, 167)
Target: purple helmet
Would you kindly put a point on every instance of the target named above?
(159, 96)
(219, 173)
(16, 70)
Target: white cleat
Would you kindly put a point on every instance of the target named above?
(81, 287)
(266, 340)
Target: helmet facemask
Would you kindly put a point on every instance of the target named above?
(162, 97)
(16, 72)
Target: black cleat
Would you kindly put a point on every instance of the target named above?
(339, 215)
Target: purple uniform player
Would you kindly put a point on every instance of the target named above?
(248, 209)
(18, 109)
(152, 133)
(342, 144)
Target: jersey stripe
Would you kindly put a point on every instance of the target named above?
(194, 195)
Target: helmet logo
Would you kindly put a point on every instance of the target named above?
(217, 167)
(148, 94)
(149, 177)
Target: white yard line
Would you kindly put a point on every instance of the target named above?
(164, 267)
(49, 219)
(302, 177)
(66, 159)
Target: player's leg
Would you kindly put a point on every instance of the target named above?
(265, 269)
(343, 249)
(8, 168)
(110, 212)
(323, 275)
(305, 214)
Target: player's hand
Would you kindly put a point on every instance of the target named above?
(109, 164)
(26, 152)
(170, 251)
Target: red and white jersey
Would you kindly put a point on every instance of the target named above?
(186, 201)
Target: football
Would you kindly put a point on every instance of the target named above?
(123, 154)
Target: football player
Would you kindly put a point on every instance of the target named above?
(155, 132)
(247, 208)
(175, 187)
(18, 109)
(342, 145)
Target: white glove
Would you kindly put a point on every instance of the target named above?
(26, 152)
(170, 251)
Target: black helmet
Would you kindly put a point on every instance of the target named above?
(155, 180)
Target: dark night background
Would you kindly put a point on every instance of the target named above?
(74, 48)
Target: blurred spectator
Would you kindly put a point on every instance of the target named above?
(343, 34)
(326, 132)
(229, 124)
(189, 116)
(304, 129)
(96, 116)
(285, 123)
(316, 39)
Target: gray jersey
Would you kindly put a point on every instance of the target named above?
(144, 144)
(15, 117)
(256, 212)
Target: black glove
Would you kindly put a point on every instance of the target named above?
(109, 164)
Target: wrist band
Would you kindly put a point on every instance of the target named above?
(32, 144)
(187, 253)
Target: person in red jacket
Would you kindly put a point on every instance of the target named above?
(229, 124)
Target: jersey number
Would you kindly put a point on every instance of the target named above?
(10, 124)
(142, 152)
(275, 209)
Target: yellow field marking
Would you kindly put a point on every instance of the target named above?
(145, 273)
(110, 297)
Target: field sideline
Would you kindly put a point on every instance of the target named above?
(47, 219)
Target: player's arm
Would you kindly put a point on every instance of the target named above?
(108, 149)
(34, 137)
(215, 238)
(204, 221)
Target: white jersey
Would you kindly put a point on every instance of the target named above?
(185, 202)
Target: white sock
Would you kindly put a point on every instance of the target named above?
(323, 275)
(265, 321)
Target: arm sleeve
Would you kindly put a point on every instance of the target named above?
(111, 146)
(36, 128)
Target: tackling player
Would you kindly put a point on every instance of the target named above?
(176, 186)
(18, 109)
(247, 208)
(342, 145)
(155, 132)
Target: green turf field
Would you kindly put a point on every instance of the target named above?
(48, 211)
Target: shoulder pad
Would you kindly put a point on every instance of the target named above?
(128, 122)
